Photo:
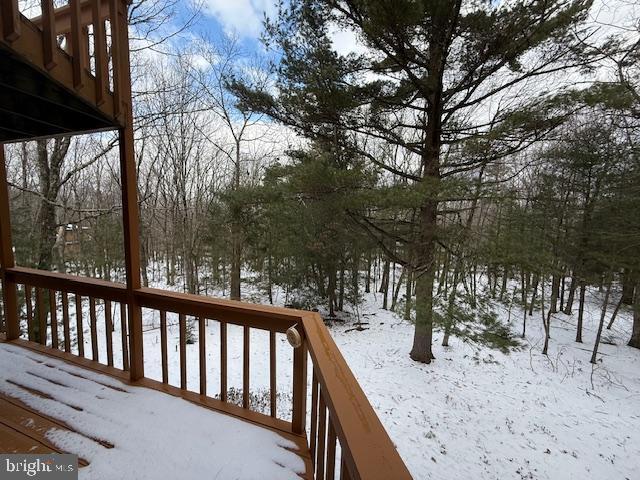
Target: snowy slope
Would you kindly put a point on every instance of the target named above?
(477, 413)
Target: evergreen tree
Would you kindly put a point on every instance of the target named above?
(422, 86)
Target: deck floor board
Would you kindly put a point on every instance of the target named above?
(24, 428)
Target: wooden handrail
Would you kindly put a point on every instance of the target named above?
(238, 313)
(231, 311)
(370, 454)
(88, 287)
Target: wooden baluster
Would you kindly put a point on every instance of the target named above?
(163, 346)
(65, 322)
(299, 415)
(331, 452)
(245, 366)
(223, 361)
(322, 419)
(54, 318)
(78, 48)
(100, 52)
(116, 57)
(11, 28)
(314, 419)
(183, 351)
(202, 342)
(94, 329)
(42, 318)
(109, 331)
(272, 372)
(123, 336)
(49, 37)
(27, 300)
(79, 326)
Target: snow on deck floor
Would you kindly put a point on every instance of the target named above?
(155, 435)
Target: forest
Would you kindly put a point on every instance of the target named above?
(476, 166)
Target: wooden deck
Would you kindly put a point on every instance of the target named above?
(24, 429)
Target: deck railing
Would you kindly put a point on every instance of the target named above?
(345, 437)
(90, 33)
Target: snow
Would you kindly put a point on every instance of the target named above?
(155, 435)
(474, 412)
(478, 413)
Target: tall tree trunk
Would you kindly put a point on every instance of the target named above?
(449, 320)
(425, 276)
(407, 305)
(536, 281)
(367, 285)
(341, 287)
(524, 283)
(603, 313)
(568, 308)
(384, 287)
(49, 165)
(270, 278)
(442, 278)
(424, 250)
(545, 322)
(629, 285)
(503, 287)
(615, 314)
(331, 290)
(396, 291)
(635, 332)
(236, 254)
(555, 291)
(236, 233)
(583, 290)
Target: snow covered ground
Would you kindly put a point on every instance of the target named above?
(477, 413)
(474, 412)
(155, 435)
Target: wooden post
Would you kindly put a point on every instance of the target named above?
(129, 198)
(10, 19)
(100, 51)
(6, 256)
(49, 40)
(77, 45)
(299, 416)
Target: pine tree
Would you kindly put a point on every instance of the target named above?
(426, 67)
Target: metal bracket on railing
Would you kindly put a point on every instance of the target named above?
(293, 336)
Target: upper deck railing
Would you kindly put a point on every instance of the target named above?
(82, 45)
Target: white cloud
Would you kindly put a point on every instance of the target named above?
(243, 17)
(345, 41)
